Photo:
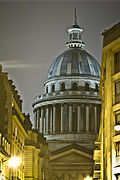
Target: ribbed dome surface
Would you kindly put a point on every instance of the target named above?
(74, 62)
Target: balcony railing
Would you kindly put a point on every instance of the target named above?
(61, 94)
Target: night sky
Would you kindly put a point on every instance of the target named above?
(33, 34)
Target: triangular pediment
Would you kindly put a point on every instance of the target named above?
(72, 154)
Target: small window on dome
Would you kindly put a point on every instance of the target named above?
(96, 88)
(74, 86)
(63, 87)
(50, 72)
(86, 87)
(47, 89)
(53, 88)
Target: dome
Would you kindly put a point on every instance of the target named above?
(74, 62)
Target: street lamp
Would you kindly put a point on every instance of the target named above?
(117, 127)
(88, 178)
(14, 162)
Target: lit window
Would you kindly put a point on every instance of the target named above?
(117, 92)
(15, 131)
(117, 62)
(117, 123)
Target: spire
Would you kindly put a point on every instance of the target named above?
(75, 18)
(75, 35)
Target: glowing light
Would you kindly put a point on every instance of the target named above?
(88, 178)
(14, 162)
(117, 127)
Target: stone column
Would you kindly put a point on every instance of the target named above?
(78, 118)
(35, 119)
(95, 110)
(51, 120)
(38, 119)
(70, 118)
(54, 114)
(87, 118)
(41, 121)
(47, 119)
(62, 116)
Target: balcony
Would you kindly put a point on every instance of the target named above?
(65, 94)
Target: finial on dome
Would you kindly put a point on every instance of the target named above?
(75, 18)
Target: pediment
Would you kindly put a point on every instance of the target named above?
(71, 155)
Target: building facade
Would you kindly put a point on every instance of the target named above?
(12, 129)
(68, 113)
(107, 153)
(18, 140)
(36, 154)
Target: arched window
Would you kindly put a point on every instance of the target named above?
(63, 86)
(96, 88)
(53, 88)
(86, 87)
(74, 86)
(47, 89)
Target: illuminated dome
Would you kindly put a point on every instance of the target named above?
(74, 62)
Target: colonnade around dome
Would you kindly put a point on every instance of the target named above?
(67, 118)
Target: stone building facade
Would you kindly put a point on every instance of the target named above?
(36, 154)
(107, 152)
(18, 139)
(68, 113)
(12, 129)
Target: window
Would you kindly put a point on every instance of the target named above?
(117, 118)
(16, 132)
(79, 36)
(96, 88)
(74, 86)
(75, 36)
(118, 176)
(47, 89)
(118, 149)
(63, 86)
(117, 62)
(117, 92)
(53, 88)
(86, 87)
(70, 36)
